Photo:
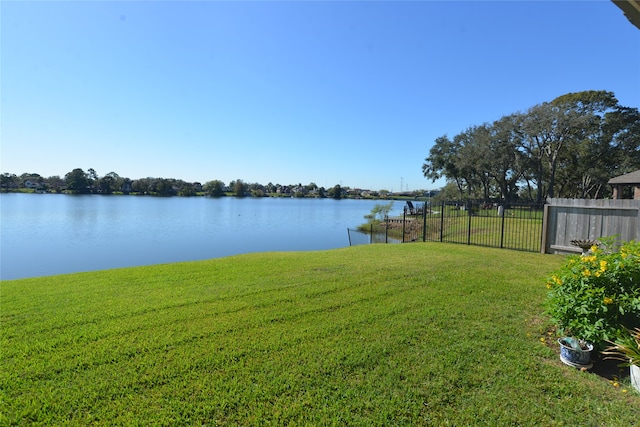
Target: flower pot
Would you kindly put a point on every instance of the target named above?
(572, 356)
(635, 377)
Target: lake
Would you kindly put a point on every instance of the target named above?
(46, 234)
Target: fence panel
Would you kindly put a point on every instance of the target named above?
(516, 226)
(358, 237)
(572, 219)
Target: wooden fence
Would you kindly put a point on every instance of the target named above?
(572, 219)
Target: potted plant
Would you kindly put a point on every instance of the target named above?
(575, 352)
(627, 349)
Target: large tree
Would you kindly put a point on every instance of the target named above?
(473, 162)
(164, 187)
(506, 163)
(239, 187)
(336, 192)
(142, 185)
(443, 161)
(78, 181)
(552, 131)
(585, 158)
(621, 128)
(109, 183)
(483, 161)
(214, 188)
(569, 147)
(8, 180)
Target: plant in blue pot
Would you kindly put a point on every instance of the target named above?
(575, 352)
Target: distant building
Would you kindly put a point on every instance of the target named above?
(31, 184)
(626, 186)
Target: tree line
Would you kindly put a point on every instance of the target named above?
(569, 147)
(79, 181)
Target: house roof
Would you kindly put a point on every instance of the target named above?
(631, 9)
(630, 178)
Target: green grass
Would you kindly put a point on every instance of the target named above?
(421, 334)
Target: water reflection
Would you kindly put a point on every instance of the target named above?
(44, 234)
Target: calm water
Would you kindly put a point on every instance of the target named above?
(45, 234)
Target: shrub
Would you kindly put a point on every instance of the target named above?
(596, 296)
(379, 212)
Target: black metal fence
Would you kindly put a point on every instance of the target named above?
(511, 226)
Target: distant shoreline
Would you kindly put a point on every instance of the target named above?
(402, 196)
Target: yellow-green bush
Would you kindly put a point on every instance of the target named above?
(595, 296)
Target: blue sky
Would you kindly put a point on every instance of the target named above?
(351, 93)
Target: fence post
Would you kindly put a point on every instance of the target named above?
(502, 228)
(386, 229)
(469, 208)
(371, 233)
(404, 219)
(543, 238)
(442, 222)
(349, 234)
(424, 222)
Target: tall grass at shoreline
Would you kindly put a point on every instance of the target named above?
(415, 334)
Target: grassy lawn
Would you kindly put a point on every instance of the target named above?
(419, 334)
